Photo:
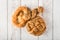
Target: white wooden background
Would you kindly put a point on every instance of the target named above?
(51, 17)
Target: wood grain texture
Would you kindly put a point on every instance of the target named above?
(56, 31)
(3, 20)
(13, 32)
(10, 32)
(31, 4)
(47, 16)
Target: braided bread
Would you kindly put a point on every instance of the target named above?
(36, 26)
(21, 15)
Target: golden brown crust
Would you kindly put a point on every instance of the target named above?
(34, 13)
(36, 26)
(20, 16)
(40, 9)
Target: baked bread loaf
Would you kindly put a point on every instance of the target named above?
(21, 16)
(40, 9)
(34, 13)
(36, 26)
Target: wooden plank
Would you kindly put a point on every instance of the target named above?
(56, 11)
(13, 32)
(17, 34)
(31, 4)
(47, 16)
(3, 20)
(13, 4)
